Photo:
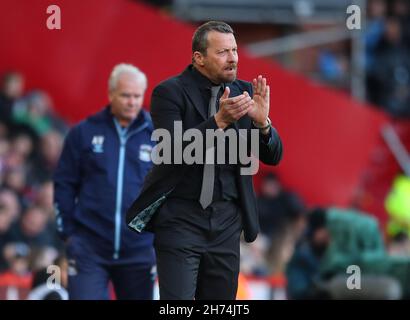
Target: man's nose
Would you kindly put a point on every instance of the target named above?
(232, 57)
(132, 101)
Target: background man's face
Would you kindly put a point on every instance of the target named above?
(127, 98)
(14, 86)
(221, 60)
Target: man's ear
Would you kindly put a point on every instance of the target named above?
(198, 58)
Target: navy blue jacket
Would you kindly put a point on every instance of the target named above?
(101, 170)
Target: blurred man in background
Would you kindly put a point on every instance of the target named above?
(12, 87)
(282, 219)
(101, 169)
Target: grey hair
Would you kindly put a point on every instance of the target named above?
(200, 37)
(121, 68)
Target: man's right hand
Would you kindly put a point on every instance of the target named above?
(232, 109)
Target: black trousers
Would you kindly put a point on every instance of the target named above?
(197, 250)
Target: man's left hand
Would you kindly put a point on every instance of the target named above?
(260, 110)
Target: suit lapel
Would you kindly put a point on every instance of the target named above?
(193, 93)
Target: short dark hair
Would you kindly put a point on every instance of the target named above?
(270, 176)
(200, 38)
(10, 76)
(317, 219)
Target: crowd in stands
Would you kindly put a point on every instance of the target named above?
(387, 56)
(311, 249)
(31, 137)
(386, 38)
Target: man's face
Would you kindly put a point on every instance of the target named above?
(221, 61)
(127, 98)
(271, 188)
(14, 87)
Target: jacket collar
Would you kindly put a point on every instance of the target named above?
(193, 81)
(106, 115)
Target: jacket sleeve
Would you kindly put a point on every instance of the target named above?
(67, 183)
(270, 150)
(270, 146)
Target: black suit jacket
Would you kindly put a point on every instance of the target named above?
(179, 99)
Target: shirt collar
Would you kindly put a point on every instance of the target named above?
(204, 82)
(139, 120)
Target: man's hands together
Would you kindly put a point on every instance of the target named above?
(232, 109)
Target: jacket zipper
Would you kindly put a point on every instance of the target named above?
(123, 136)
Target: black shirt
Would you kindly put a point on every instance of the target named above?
(225, 185)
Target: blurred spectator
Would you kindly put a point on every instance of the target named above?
(4, 149)
(399, 245)
(397, 204)
(3, 129)
(401, 10)
(36, 111)
(389, 79)
(43, 257)
(15, 179)
(374, 31)
(333, 66)
(34, 229)
(9, 200)
(5, 222)
(15, 281)
(44, 289)
(281, 216)
(303, 269)
(20, 154)
(253, 257)
(44, 198)
(277, 206)
(12, 87)
(18, 257)
(51, 145)
(23, 145)
(315, 270)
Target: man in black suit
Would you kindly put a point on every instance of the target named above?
(198, 211)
